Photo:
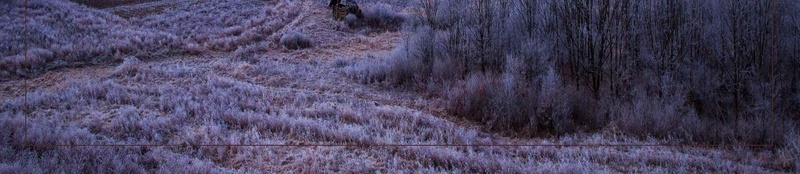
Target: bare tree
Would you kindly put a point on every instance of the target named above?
(427, 12)
(484, 9)
(743, 48)
(591, 36)
(665, 32)
(529, 10)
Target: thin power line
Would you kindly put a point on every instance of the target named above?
(406, 145)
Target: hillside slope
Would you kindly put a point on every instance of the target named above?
(231, 84)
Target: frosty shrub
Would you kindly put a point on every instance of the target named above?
(295, 40)
(378, 17)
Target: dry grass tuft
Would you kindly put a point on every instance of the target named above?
(295, 40)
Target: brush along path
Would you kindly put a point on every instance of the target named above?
(143, 9)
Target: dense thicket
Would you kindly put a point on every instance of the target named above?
(716, 71)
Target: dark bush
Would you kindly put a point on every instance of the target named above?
(295, 40)
(352, 21)
(378, 17)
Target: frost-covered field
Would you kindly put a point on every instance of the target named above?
(194, 80)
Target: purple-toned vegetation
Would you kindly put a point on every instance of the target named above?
(63, 34)
(224, 25)
(696, 71)
(295, 40)
(377, 17)
(208, 106)
(187, 88)
(110, 3)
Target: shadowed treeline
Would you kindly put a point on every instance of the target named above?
(698, 71)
